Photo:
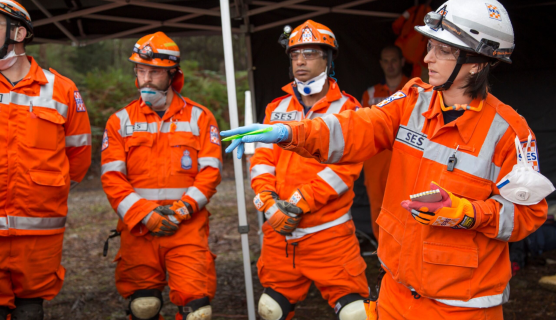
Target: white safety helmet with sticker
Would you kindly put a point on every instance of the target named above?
(474, 26)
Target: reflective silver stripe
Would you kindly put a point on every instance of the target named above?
(28, 223)
(3, 223)
(78, 140)
(44, 99)
(118, 166)
(336, 142)
(334, 180)
(198, 196)
(480, 166)
(335, 107)
(301, 232)
(481, 302)
(124, 122)
(209, 162)
(181, 126)
(506, 220)
(126, 204)
(161, 193)
(195, 114)
(283, 105)
(264, 145)
(259, 169)
(271, 211)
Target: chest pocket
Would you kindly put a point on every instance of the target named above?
(184, 150)
(465, 185)
(139, 154)
(44, 128)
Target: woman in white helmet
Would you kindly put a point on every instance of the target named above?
(455, 155)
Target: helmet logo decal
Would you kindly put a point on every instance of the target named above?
(493, 12)
(307, 35)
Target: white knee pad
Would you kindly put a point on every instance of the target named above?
(145, 307)
(353, 311)
(145, 304)
(269, 309)
(203, 313)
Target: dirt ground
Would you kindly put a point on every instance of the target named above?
(89, 291)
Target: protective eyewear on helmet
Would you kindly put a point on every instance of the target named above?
(146, 53)
(308, 54)
(153, 74)
(443, 51)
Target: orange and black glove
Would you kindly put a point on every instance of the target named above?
(181, 211)
(158, 223)
(451, 211)
(298, 199)
(264, 200)
(286, 218)
(371, 309)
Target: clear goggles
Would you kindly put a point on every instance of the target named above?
(443, 51)
(308, 54)
(143, 73)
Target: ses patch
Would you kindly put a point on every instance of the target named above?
(395, 96)
(104, 141)
(531, 153)
(214, 135)
(80, 105)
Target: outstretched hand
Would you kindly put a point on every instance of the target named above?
(278, 134)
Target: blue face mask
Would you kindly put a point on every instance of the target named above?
(312, 86)
(153, 97)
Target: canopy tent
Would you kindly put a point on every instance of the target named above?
(362, 27)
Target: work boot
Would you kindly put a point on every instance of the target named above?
(4, 311)
(28, 309)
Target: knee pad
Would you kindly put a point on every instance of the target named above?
(28, 309)
(145, 304)
(4, 311)
(351, 307)
(274, 306)
(198, 309)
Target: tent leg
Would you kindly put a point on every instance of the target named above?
(238, 170)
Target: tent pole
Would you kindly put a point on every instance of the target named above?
(238, 170)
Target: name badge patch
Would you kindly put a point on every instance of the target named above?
(411, 138)
(284, 116)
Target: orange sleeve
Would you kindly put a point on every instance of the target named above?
(131, 208)
(499, 218)
(334, 180)
(78, 135)
(263, 164)
(350, 136)
(210, 163)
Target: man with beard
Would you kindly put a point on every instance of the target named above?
(161, 163)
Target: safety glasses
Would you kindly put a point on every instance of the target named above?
(443, 51)
(308, 54)
(153, 74)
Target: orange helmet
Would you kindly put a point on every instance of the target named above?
(156, 50)
(310, 32)
(13, 10)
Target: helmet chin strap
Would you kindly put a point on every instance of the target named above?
(8, 40)
(463, 58)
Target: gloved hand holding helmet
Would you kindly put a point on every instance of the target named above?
(158, 223)
(286, 219)
(278, 134)
(450, 211)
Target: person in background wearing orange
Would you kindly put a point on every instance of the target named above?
(45, 150)
(307, 203)
(464, 179)
(161, 163)
(376, 168)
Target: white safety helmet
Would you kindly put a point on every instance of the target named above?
(473, 26)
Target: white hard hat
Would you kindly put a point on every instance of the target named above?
(472, 25)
